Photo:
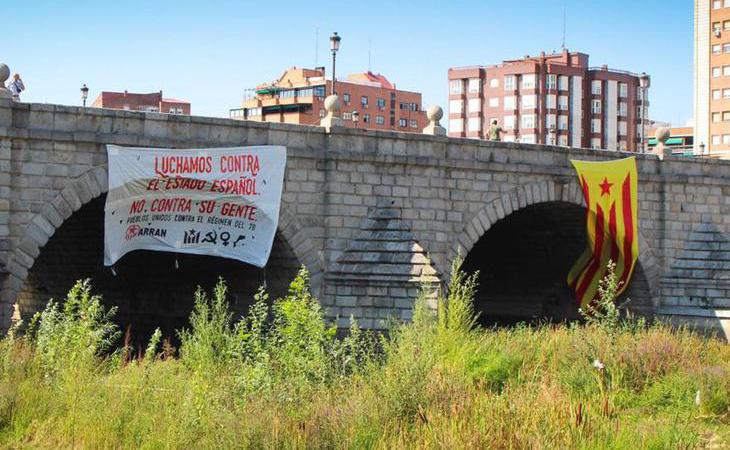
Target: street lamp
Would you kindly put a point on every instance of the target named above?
(355, 117)
(84, 93)
(334, 47)
(644, 83)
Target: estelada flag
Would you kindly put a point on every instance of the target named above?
(610, 191)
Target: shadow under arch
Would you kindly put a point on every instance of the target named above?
(523, 261)
(64, 242)
(646, 276)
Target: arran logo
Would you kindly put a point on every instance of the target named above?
(132, 231)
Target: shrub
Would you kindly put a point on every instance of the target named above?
(73, 334)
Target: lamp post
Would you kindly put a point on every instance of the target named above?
(355, 117)
(644, 83)
(84, 94)
(334, 47)
(702, 148)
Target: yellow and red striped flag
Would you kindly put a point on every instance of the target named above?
(610, 191)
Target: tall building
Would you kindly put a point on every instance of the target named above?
(367, 100)
(549, 99)
(153, 102)
(712, 78)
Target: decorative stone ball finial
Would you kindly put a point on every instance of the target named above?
(4, 75)
(662, 135)
(434, 114)
(331, 105)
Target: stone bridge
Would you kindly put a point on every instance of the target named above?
(371, 214)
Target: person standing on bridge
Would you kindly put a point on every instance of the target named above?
(16, 87)
(495, 131)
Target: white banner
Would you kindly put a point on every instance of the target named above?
(221, 201)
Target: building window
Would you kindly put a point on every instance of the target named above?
(726, 93)
(475, 85)
(455, 87)
(346, 98)
(596, 87)
(528, 81)
(494, 82)
(622, 109)
(550, 121)
(726, 139)
(716, 49)
(726, 116)
(380, 120)
(528, 121)
(716, 4)
(726, 25)
(364, 101)
(456, 125)
(347, 116)
(366, 118)
(319, 91)
(508, 123)
(596, 144)
(563, 140)
(550, 101)
(563, 102)
(475, 124)
(716, 27)
(322, 113)
(562, 122)
(509, 103)
(402, 122)
(596, 106)
(595, 125)
(494, 102)
(528, 101)
(551, 81)
(475, 105)
(622, 128)
(456, 106)
(509, 83)
(716, 71)
(414, 123)
(726, 70)
(380, 102)
(563, 82)
(529, 139)
(715, 139)
(716, 94)
(715, 117)
(623, 90)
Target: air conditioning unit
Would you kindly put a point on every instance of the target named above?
(718, 33)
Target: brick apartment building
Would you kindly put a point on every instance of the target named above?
(367, 100)
(712, 78)
(549, 99)
(153, 102)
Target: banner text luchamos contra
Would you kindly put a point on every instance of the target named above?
(221, 202)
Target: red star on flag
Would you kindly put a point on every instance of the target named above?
(605, 187)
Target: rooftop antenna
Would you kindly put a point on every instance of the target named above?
(316, 49)
(562, 45)
(369, 56)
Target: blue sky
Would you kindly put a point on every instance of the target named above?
(209, 52)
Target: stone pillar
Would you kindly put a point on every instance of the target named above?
(331, 120)
(662, 150)
(434, 114)
(4, 75)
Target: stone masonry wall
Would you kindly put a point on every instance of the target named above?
(446, 192)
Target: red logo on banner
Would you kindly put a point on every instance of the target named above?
(132, 231)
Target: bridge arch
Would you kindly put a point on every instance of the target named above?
(522, 207)
(85, 195)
